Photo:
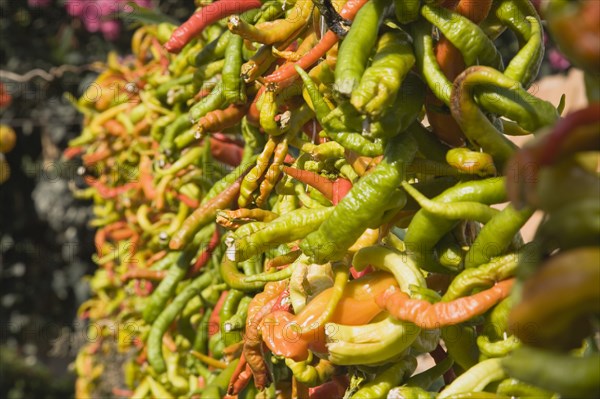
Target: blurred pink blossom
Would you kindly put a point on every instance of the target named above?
(38, 3)
(101, 15)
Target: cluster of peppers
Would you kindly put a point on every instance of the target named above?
(275, 220)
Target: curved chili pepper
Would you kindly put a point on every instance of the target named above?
(428, 316)
(475, 379)
(352, 58)
(375, 191)
(206, 16)
(286, 72)
(356, 306)
(387, 379)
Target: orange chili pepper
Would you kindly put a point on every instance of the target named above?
(442, 314)
(292, 336)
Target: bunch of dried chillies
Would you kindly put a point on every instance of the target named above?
(276, 220)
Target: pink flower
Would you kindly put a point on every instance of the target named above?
(97, 15)
(38, 3)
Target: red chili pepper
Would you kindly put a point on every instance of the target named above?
(221, 119)
(72, 152)
(204, 17)
(214, 319)
(110, 192)
(204, 257)
(336, 388)
(146, 178)
(286, 74)
(332, 190)
(190, 202)
(228, 153)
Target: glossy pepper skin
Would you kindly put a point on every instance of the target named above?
(368, 200)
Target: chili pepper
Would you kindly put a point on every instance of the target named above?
(475, 379)
(428, 316)
(202, 215)
(271, 32)
(201, 19)
(454, 210)
(204, 257)
(425, 230)
(376, 189)
(540, 368)
(308, 374)
(453, 26)
(216, 99)
(496, 236)
(387, 379)
(356, 306)
(212, 51)
(233, 86)
(273, 173)
(403, 269)
(512, 387)
(369, 344)
(381, 81)
(166, 288)
(352, 58)
(160, 325)
(498, 348)
(407, 11)
(497, 269)
(287, 72)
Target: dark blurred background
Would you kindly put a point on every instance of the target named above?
(47, 49)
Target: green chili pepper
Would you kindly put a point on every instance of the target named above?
(215, 100)
(176, 273)
(162, 322)
(484, 276)
(380, 83)
(498, 348)
(201, 340)
(182, 123)
(425, 229)
(475, 47)
(427, 64)
(496, 236)
(355, 48)
(469, 210)
(407, 10)
(367, 201)
(387, 379)
(403, 112)
(238, 320)
(289, 227)
(233, 87)
(548, 369)
(524, 67)
(512, 387)
(461, 345)
(231, 302)
(308, 374)
(475, 379)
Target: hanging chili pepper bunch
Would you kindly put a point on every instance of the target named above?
(275, 219)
